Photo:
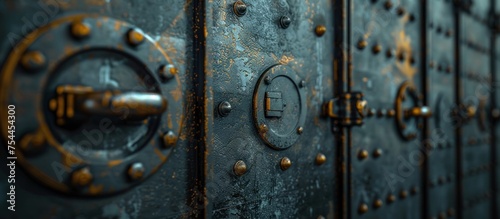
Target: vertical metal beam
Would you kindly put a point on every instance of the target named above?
(425, 85)
(458, 97)
(493, 104)
(342, 63)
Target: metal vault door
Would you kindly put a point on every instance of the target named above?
(268, 68)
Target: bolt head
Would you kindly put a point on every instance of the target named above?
(239, 8)
(378, 203)
(81, 177)
(300, 130)
(225, 108)
(169, 139)
(377, 153)
(167, 72)
(320, 30)
(377, 48)
(320, 159)
(302, 83)
(136, 171)
(363, 208)
(285, 163)
(363, 154)
(362, 44)
(33, 60)
(285, 22)
(391, 198)
(239, 168)
(135, 37)
(80, 29)
(403, 194)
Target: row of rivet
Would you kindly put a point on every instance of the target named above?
(449, 213)
(400, 11)
(440, 67)
(363, 154)
(363, 207)
(476, 170)
(377, 48)
(444, 145)
(475, 46)
(380, 113)
(477, 200)
(478, 77)
(442, 180)
(478, 141)
(240, 167)
(439, 30)
(240, 9)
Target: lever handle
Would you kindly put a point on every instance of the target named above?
(128, 105)
(423, 112)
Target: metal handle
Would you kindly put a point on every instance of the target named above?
(125, 105)
(423, 112)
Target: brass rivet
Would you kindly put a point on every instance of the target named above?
(169, 139)
(376, 48)
(362, 44)
(414, 190)
(80, 29)
(167, 72)
(363, 154)
(81, 177)
(136, 171)
(378, 203)
(263, 128)
(320, 159)
(391, 198)
(381, 112)
(363, 208)
(239, 168)
(300, 129)
(320, 30)
(33, 60)
(377, 153)
(391, 113)
(403, 194)
(239, 8)
(285, 163)
(135, 37)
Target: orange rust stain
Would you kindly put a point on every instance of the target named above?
(113, 163)
(95, 189)
(403, 45)
(117, 25)
(169, 119)
(285, 59)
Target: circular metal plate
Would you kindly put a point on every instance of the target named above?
(100, 156)
(279, 106)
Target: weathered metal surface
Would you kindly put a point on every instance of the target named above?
(252, 109)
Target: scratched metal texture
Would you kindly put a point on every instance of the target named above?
(239, 50)
(379, 77)
(442, 181)
(168, 193)
(475, 78)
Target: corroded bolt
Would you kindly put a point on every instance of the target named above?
(136, 171)
(80, 29)
(388, 4)
(224, 108)
(268, 79)
(391, 198)
(363, 154)
(320, 159)
(378, 203)
(363, 208)
(239, 168)
(400, 11)
(33, 60)
(239, 8)
(134, 37)
(403, 194)
(376, 48)
(263, 128)
(362, 44)
(169, 139)
(320, 30)
(302, 83)
(285, 22)
(285, 163)
(377, 153)
(167, 72)
(81, 177)
(300, 129)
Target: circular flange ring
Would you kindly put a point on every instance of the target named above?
(279, 107)
(57, 163)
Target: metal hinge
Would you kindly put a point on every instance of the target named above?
(346, 110)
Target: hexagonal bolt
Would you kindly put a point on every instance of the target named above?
(33, 60)
(80, 29)
(320, 159)
(81, 177)
(224, 108)
(135, 37)
(285, 22)
(239, 8)
(167, 72)
(169, 139)
(239, 168)
(320, 30)
(136, 171)
(285, 163)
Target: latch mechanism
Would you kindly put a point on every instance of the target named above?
(347, 110)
